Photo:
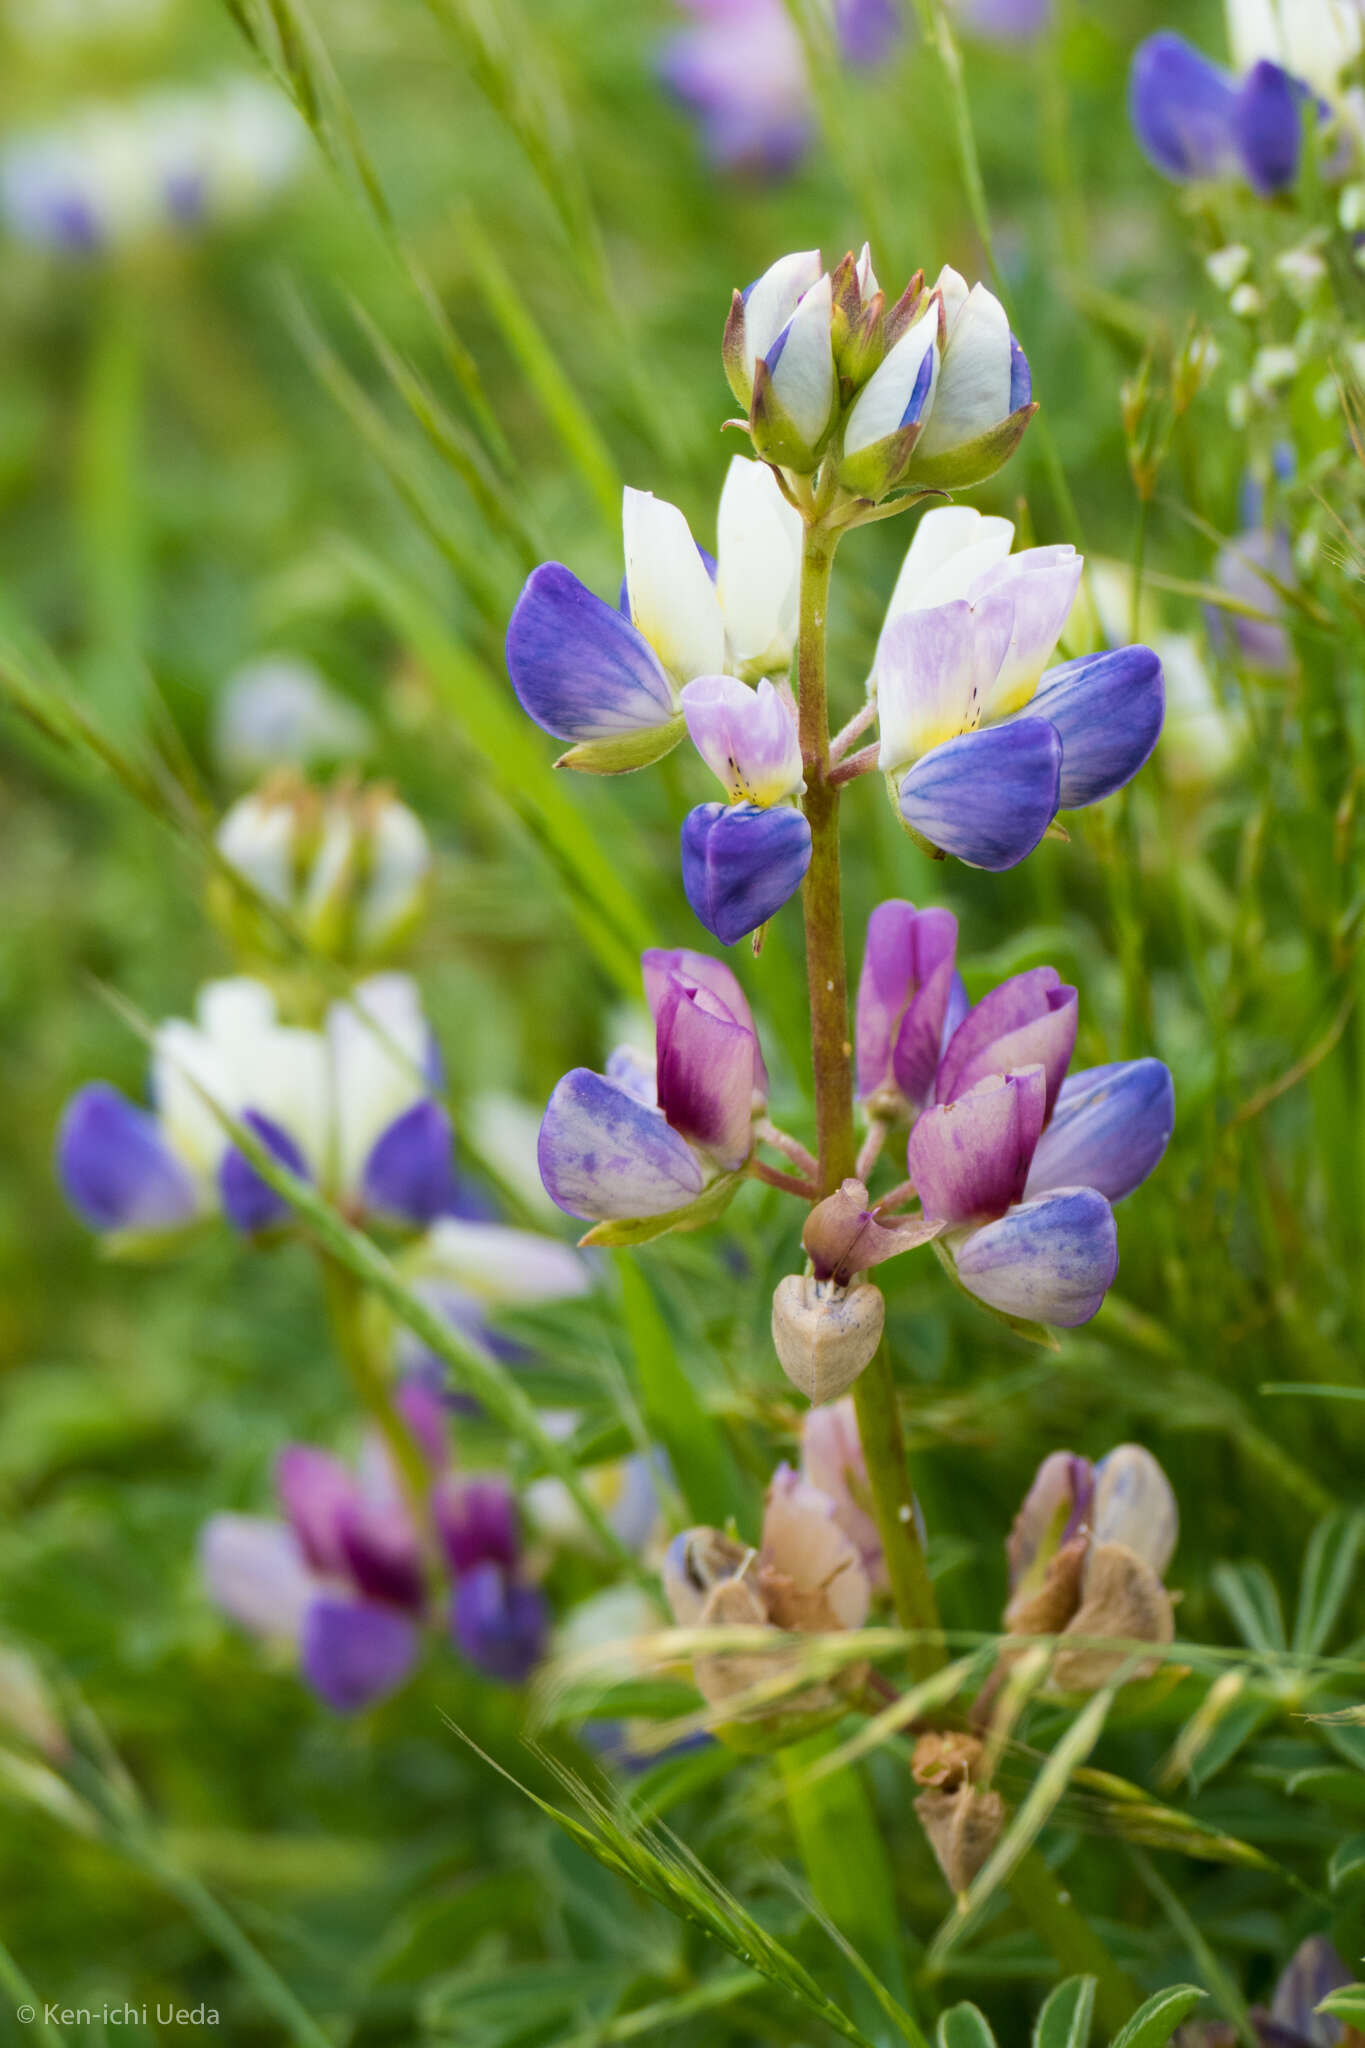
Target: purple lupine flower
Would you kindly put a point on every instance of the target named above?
(1005, 21)
(1293, 2020)
(348, 1107)
(983, 742)
(906, 1001)
(1244, 569)
(741, 70)
(607, 678)
(1021, 1241)
(632, 1143)
(1196, 121)
(499, 1623)
(344, 1578)
(742, 860)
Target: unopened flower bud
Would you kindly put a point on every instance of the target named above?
(825, 1334)
(795, 399)
(348, 866)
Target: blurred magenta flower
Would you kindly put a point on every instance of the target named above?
(349, 1107)
(982, 743)
(910, 999)
(636, 1142)
(608, 679)
(740, 68)
(344, 1577)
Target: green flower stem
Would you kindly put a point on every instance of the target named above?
(345, 1296)
(874, 1392)
(1034, 1888)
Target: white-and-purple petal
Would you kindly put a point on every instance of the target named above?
(255, 1572)
(740, 864)
(988, 797)
(969, 1159)
(1108, 1130)
(1049, 1261)
(660, 964)
(903, 996)
(115, 1167)
(1135, 1505)
(604, 1154)
(1028, 1020)
(499, 1623)
(356, 1652)
(747, 738)
(1183, 109)
(249, 1201)
(408, 1176)
(705, 1067)
(579, 669)
(1108, 710)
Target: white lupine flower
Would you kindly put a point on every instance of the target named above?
(758, 569)
(1313, 39)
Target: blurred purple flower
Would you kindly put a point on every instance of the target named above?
(740, 69)
(344, 1578)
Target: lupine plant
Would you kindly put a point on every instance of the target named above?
(697, 1375)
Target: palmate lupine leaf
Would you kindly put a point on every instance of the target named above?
(1064, 2021)
(1154, 2023)
(1249, 1595)
(658, 1864)
(1329, 1568)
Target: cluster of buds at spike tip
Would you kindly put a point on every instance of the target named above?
(931, 390)
(348, 867)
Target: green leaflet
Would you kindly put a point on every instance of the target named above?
(1154, 2023)
(1065, 2020)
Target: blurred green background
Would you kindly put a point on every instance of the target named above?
(203, 458)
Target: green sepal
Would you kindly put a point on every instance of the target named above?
(619, 757)
(879, 468)
(710, 1203)
(774, 432)
(973, 461)
(156, 1247)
